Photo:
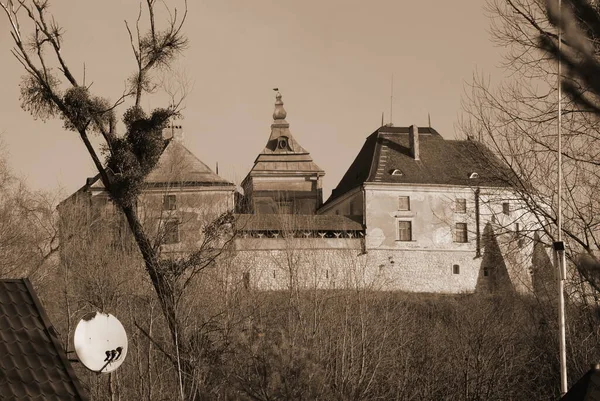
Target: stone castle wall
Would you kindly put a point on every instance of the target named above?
(280, 264)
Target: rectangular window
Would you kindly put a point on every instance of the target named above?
(171, 234)
(460, 233)
(506, 208)
(403, 203)
(169, 202)
(246, 280)
(455, 269)
(461, 205)
(404, 231)
(520, 238)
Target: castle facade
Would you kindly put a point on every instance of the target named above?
(414, 212)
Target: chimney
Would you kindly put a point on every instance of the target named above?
(174, 132)
(413, 140)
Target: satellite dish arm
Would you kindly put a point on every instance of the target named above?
(111, 356)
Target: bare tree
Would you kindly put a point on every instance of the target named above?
(129, 156)
(28, 233)
(517, 120)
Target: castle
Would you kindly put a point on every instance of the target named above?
(414, 212)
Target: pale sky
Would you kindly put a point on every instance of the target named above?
(331, 59)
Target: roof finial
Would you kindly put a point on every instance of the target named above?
(279, 113)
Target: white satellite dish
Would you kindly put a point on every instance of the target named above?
(100, 342)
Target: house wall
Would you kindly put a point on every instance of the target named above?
(350, 205)
(431, 262)
(298, 263)
(427, 259)
(276, 265)
(268, 195)
(431, 214)
(379, 261)
(195, 207)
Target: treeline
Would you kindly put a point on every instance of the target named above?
(324, 344)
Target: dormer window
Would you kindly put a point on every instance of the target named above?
(473, 175)
(396, 172)
(283, 143)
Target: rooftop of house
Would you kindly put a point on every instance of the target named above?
(177, 166)
(282, 153)
(387, 157)
(33, 363)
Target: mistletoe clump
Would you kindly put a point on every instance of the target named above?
(133, 156)
(37, 96)
(81, 110)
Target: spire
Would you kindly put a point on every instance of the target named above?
(279, 113)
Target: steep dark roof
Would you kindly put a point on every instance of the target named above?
(442, 162)
(178, 166)
(296, 222)
(33, 365)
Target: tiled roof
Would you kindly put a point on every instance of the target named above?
(442, 162)
(177, 165)
(33, 365)
(296, 222)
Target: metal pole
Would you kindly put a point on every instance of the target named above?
(392, 102)
(560, 253)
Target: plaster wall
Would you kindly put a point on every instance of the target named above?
(432, 214)
(195, 207)
(351, 205)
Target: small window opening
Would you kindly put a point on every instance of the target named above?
(461, 205)
(506, 208)
(326, 273)
(455, 269)
(403, 203)
(246, 280)
(396, 172)
(404, 231)
(282, 143)
(460, 233)
(273, 273)
(169, 202)
(486, 271)
(473, 175)
(171, 232)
